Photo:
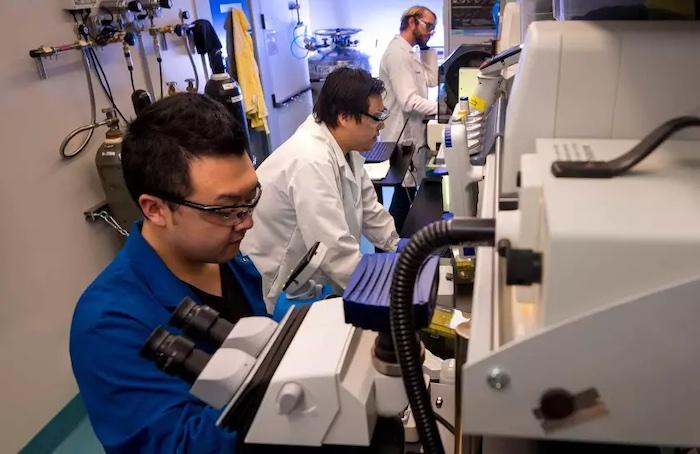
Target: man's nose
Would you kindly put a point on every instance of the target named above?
(246, 224)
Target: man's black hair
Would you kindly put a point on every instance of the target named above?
(161, 142)
(346, 91)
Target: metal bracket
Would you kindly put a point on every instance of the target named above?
(277, 104)
(101, 211)
(92, 214)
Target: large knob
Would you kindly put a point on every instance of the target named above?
(134, 6)
(130, 38)
(557, 404)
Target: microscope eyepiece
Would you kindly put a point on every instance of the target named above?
(175, 355)
(200, 322)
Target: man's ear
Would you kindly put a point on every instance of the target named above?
(343, 119)
(154, 209)
(346, 119)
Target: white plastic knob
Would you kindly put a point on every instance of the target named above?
(289, 397)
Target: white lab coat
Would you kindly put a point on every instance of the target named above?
(310, 193)
(407, 77)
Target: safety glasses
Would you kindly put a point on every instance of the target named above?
(226, 215)
(428, 25)
(380, 116)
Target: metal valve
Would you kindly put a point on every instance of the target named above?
(134, 6)
(122, 6)
(153, 7)
(110, 116)
(171, 87)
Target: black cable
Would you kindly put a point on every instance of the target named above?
(410, 172)
(403, 326)
(131, 76)
(99, 71)
(160, 73)
(94, 67)
(445, 423)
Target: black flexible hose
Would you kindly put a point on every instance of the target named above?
(649, 143)
(423, 242)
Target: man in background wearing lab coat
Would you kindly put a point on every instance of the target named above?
(316, 189)
(407, 75)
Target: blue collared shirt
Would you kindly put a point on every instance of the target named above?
(133, 406)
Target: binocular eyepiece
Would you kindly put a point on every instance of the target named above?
(177, 355)
(200, 322)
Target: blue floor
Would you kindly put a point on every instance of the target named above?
(69, 432)
(81, 440)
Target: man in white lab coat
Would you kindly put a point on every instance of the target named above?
(314, 187)
(407, 75)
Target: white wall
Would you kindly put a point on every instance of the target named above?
(379, 20)
(49, 252)
(282, 72)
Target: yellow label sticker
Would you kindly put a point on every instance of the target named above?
(477, 103)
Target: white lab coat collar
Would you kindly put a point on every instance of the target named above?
(328, 136)
(404, 44)
(346, 171)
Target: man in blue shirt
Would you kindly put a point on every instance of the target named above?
(185, 164)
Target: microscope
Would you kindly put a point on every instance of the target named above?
(326, 377)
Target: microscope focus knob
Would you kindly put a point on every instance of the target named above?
(289, 397)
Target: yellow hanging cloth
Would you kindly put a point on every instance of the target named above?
(248, 74)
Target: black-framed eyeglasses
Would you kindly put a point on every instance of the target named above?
(428, 25)
(227, 215)
(380, 116)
